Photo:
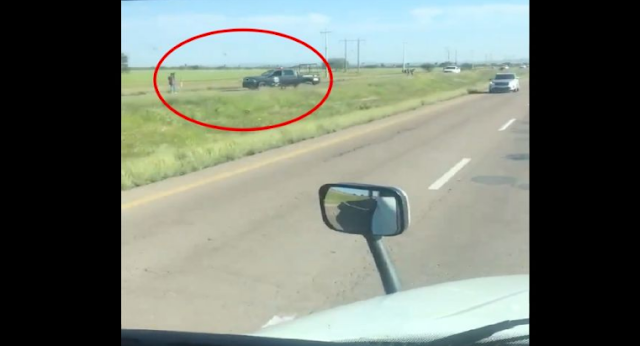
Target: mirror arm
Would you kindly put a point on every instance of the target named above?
(385, 267)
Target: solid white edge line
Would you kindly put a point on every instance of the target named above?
(443, 179)
(504, 127)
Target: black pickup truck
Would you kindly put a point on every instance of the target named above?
(280, 77)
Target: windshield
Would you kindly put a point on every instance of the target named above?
(221, 224)
(505, 76)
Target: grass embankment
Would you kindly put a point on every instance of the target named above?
(157, 144)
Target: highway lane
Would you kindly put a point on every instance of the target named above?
(228, 248)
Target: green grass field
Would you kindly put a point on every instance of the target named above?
(335, 197)
(138, 83)
(143, 79)
(156, 144)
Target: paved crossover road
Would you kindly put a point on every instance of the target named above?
(228, 248)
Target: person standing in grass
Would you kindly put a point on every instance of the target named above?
(172, 83)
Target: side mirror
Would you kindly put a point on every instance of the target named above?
(367, 210)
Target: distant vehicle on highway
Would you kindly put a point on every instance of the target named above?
(504, 67)
(451, 69)
(279, 77)
(504, 82)
(523, 66)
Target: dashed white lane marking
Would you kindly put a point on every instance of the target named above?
(443, 179)
(504, 127)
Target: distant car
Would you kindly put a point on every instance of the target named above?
(523, 66)
(451, 69)
(504, 67)
(311, 78)
(504, 82)
(278, 77)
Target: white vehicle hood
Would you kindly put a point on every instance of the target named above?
(426, 313)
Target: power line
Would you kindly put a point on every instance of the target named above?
(404, 57)
(326, 49)
(345, 52)
(358, 59)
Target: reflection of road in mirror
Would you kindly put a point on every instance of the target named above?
(353, 216)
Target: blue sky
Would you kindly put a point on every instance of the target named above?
(475, 29)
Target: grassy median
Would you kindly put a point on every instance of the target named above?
(157, 144)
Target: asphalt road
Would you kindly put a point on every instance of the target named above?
(228, 248)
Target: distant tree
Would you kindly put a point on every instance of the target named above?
(338, 63)
(124, 63)
(466, 66)
(428, 66)
(446, 63)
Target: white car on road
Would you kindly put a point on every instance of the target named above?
(504, 82)
(451, 69)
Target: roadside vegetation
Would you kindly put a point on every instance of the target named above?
(157, 144)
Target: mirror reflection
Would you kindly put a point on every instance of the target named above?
(362, 211)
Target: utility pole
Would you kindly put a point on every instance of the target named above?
(448, 55)
(359, 54)
(456, 57)
(404, 56)
(345, 53)
(472, 61)
(326, 49)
